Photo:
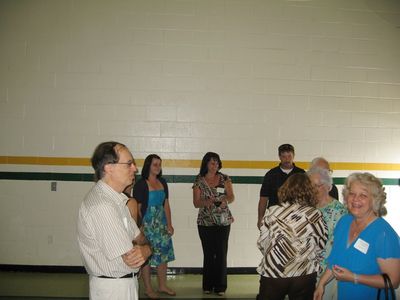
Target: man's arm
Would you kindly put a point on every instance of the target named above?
(140, 252)
(265, 192)
(262, 206)
(137, 256)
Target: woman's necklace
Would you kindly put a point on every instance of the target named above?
(357, 228)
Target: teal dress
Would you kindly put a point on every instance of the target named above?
(156, 230)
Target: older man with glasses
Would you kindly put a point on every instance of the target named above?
(110, 242)
(320, 162)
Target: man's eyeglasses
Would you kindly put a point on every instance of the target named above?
(128, 164)
(320, 185)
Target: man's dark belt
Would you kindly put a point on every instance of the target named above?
(129, 275)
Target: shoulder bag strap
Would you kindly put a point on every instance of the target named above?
(378, 296)
(389, 285)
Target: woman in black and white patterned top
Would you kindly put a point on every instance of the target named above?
(292, 238)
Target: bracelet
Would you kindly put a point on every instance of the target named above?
(355, 278)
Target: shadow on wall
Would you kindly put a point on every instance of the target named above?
(388, 10)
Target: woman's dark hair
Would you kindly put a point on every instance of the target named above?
(298, 188)
(147, 164)
(105, 153)
(207, 157)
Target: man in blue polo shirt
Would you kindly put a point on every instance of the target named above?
(274, 179)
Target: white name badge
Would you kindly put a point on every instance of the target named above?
(125, 220)
(220, 190)
(361, 246)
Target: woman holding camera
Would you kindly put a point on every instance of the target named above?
(212, 192)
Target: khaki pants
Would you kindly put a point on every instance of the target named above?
(116, 289)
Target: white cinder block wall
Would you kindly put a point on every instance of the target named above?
(180, 78)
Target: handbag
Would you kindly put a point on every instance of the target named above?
(388, 287)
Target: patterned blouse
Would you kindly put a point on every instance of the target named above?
(292, 239)
(213, 216)
(331, 214)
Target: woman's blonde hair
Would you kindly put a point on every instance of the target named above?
(375, 187)
(298, 188)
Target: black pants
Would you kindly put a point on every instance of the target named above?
(214, 240)
(297, 288)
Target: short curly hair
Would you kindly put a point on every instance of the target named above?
(374, 185)
(324, 176)
(298, 188)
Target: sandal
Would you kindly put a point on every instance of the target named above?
(168, 292)
(152, 295)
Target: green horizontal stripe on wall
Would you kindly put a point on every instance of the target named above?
(46, 176)
(38, 176)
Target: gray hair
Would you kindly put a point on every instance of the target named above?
(316, 160)
(324, 175)
(374, 185)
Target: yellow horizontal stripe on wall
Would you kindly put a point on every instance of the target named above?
(187, 163)
(365, 166)
(37, 160)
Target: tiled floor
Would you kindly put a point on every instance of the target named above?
(38, 286)
(46, 286)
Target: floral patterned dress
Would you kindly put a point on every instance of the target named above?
(331, 214)
(156, 230)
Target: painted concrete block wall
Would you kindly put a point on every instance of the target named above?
(180, 78)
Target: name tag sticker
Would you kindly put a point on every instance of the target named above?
(220, 190)
(361, 246)
(125, 220)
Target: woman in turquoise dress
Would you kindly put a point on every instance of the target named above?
(364, 243)
(151, 192)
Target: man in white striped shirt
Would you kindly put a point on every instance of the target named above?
(110, 242)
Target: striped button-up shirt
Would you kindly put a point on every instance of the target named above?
(105, 231)
(292, 239)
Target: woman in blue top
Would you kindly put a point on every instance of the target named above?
(364, 245)
(151, 192)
